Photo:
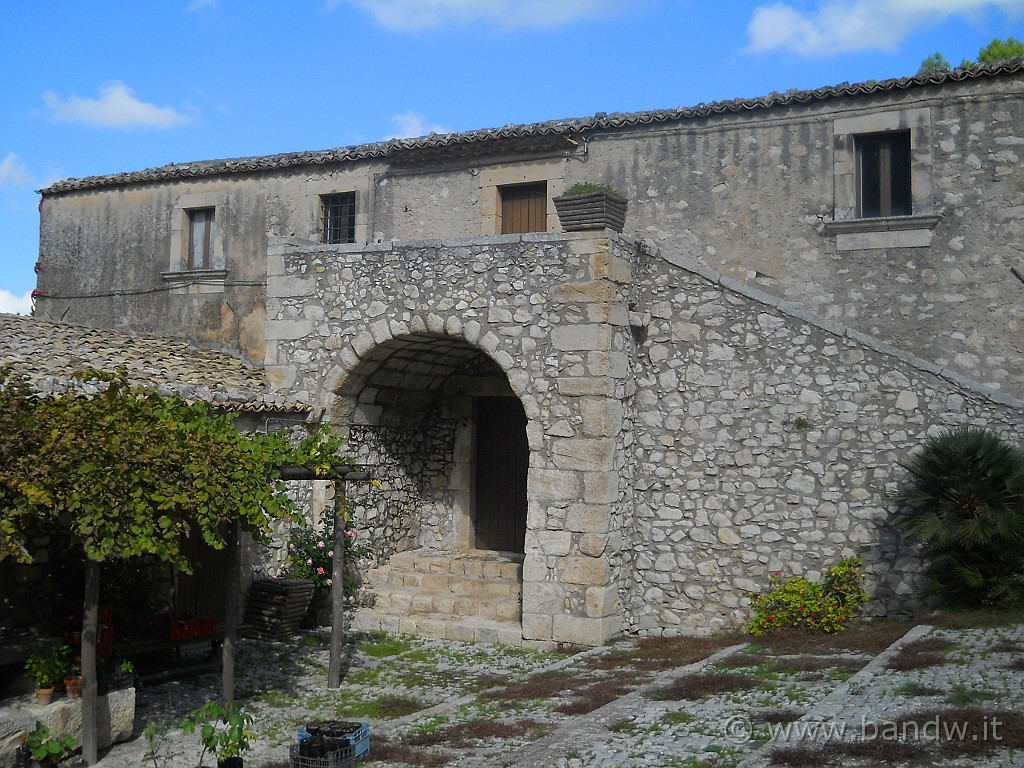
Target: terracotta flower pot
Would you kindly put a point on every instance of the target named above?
(44, 695)
(73, 685)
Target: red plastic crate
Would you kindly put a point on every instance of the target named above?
(181, 629)
(204, 627)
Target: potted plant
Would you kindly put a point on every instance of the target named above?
(46, 750)
(46, 670)
(73, 682)
(222, 731)
(585, 206)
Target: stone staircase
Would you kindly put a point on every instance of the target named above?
(473, 596)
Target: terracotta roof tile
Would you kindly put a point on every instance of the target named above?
(49, 353)
(396, 149)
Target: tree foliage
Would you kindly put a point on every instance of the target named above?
(1001, 50)
(935, 64)
(130, 472)
(997, 50)
(964, 503)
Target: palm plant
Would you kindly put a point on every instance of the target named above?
(964, 503)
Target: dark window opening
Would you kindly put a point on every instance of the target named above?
(339, 217)
(883, 166)
(200, 237)
(524, 208)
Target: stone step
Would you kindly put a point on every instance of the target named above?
(391, 578)
(473, 596)
(407, 601)
(475, 563)
(466, 629)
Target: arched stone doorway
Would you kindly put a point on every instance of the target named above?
(445, 433)
(403, 341)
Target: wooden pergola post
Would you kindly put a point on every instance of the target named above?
(337, 589)
(90, 683)
(340, 474)
(227, 685)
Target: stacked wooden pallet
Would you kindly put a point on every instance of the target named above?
(275, 607)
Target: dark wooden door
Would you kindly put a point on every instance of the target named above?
(524, 208)
(502, 459)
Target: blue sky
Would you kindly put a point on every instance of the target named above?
(93, 88)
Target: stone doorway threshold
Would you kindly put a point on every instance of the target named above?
(472, 596)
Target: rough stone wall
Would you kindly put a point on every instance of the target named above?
(412, 507)
(766, 440)
(373, 333)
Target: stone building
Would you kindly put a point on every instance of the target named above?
(579, 434)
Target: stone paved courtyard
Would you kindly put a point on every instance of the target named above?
(654, 702)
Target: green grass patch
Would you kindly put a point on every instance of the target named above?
(962, 695)
(381, 644)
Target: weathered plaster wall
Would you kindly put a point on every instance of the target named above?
(745, 193)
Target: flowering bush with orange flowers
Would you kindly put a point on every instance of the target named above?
(826, 606)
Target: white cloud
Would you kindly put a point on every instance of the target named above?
(13, 171)
(841, 26)
(116, 107)
(198, 5)
(18, 305)
(410, 124)
(413, 15)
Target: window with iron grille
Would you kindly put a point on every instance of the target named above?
(201, 224)
(883, 168)
(338, 217)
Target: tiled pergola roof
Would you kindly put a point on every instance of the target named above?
(49, 353)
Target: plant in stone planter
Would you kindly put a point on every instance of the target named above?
(222, 731)
(46, 670)
(586, 206)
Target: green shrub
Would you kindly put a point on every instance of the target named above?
(47, 750)
(589, 188)
(964, 503)
(826, 606)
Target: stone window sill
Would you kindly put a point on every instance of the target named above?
(196, 280)
(883, 232)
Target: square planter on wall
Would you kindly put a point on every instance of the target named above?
(595, 210)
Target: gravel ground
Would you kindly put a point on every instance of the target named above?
(660, 702)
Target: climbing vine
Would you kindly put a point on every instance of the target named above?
(130, 472)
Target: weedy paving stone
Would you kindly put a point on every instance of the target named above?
(652, 702)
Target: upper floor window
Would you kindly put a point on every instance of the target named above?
(338, 217)
(201, 235)
(883, 167)
(524, 208)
